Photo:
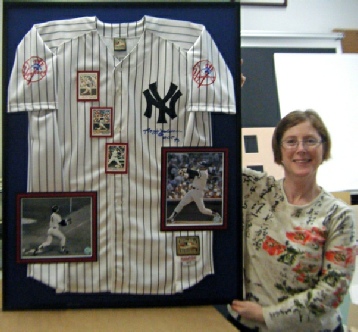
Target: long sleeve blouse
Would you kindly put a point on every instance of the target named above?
(298, 260)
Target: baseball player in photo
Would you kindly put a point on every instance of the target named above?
(115, 157)
(196, 193)
(54, 231)
(162, 89)
(101, 125)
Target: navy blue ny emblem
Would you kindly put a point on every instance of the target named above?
(153, 99)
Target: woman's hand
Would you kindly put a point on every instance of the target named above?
(249, 310)
(243, 78)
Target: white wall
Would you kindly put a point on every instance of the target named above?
(337, 104)
(306, 16)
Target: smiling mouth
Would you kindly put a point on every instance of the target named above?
(302, 161)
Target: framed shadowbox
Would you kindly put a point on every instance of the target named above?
(194, 188)
(56, 227)
(119, 104)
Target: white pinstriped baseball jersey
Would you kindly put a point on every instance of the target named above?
(172, 58)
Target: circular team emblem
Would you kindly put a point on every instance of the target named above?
(204, 73)
(34, 69)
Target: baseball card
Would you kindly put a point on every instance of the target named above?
(88, 85)
(116, 158)
(101, 121)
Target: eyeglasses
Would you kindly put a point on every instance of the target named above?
(292, 143)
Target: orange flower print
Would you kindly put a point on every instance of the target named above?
(339, 293)
(304, 271)
(306, 268)
(313, 256)
(298, 236)
(272, 247)
(304, 236)
(301, 277)
(341, 256)
(319, 232)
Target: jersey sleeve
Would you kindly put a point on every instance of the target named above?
(32, 81)
(211, 85)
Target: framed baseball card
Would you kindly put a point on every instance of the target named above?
(88, 85)
(116, 158)
(101, 121)
(194, 188)
(56, 227)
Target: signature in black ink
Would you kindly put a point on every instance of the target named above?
(164, 134)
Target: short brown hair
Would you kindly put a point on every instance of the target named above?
(294, 118)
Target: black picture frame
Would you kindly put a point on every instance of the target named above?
(79, 227)
(218, 288)
(181, 168)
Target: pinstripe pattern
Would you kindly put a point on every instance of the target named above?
(134, 256)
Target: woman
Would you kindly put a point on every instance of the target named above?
(299, 240)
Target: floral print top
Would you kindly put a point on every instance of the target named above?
(299, 260)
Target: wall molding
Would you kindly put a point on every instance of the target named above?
(257, 38)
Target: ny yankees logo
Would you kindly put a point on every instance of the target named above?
(153, 99)
(204, 73)
(34, 69)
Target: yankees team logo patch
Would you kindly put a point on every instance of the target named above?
(34, 69)
(154, 100)
(204, 73)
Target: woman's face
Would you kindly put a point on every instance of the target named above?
(303, 158)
